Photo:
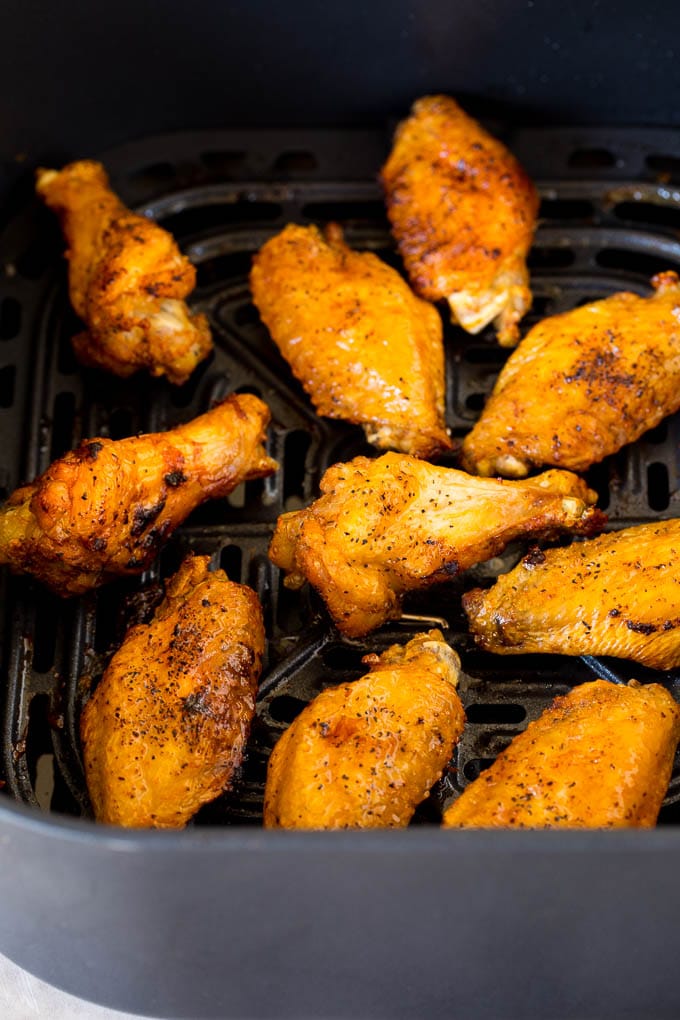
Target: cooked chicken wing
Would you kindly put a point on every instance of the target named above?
(601, 757)
(583, 384)
(127, 280)
(363, 755)
(364, 347)
(618, 594)
(383, 527)
(463, 212)
(168, 723)
(107, 507)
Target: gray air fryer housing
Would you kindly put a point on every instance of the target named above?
(225, 121)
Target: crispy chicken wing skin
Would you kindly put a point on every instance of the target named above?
(600, 757)
(106, 508)
(463, 213)
(618, 594)
(363, 755)
(583, 384)
(168, 723)
(383, 527)
(127, 280)
(364, 347)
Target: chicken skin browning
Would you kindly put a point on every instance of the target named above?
(600, 757)
(618, 594)
(106, 508)
(127, 280)
(384, 527)
(583, 384)
(364, 347)
(364, 755)
(463, 213)
(168, 723)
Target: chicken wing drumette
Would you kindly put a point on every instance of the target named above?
(127, 280)
(618, 594)
(463, 213)
(106, 508)
(599, 757)
(386, 526)
(364, 347)
(583, 384)
(363, 755)
(168, 723)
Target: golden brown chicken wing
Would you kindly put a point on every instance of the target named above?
(364, 347)
(363, 755)
(463, 212)
(618, 594)
(127, 280)
(383, 527)
(107, 507)
(583, 384)
(600, 757)
(168, 723)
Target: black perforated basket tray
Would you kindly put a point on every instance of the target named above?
(609, 220)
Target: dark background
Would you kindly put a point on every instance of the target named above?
(77, 77)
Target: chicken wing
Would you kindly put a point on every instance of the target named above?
(463, 213)
(618, 594)
(168, 723)
(364, 347)
(363, 755)
(106, 508)
(601, 757)
(127, 280)
(583, 384)
(383, 527)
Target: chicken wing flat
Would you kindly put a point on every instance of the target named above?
(463, 213)
(600, 757)
(364, 755)
(618, 594)
(364, 347)
(106, 508)
(127, 280)
(386, 526)
(583, 384)
(167, 725)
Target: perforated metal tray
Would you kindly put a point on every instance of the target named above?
(609, 219)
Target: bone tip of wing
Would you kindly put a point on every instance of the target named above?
(80, 170)
(442, 658)
(446, 655)
(572, 507)
(509, 466)
(578, 512)
(665, 281)
(517, 304)
(420, 443)
(507, 333)
(44, 178)
(435, 645)
(266, 465)
(472, 321)
(473, 311)
(294, 581)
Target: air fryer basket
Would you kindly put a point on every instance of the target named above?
(609, 220)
